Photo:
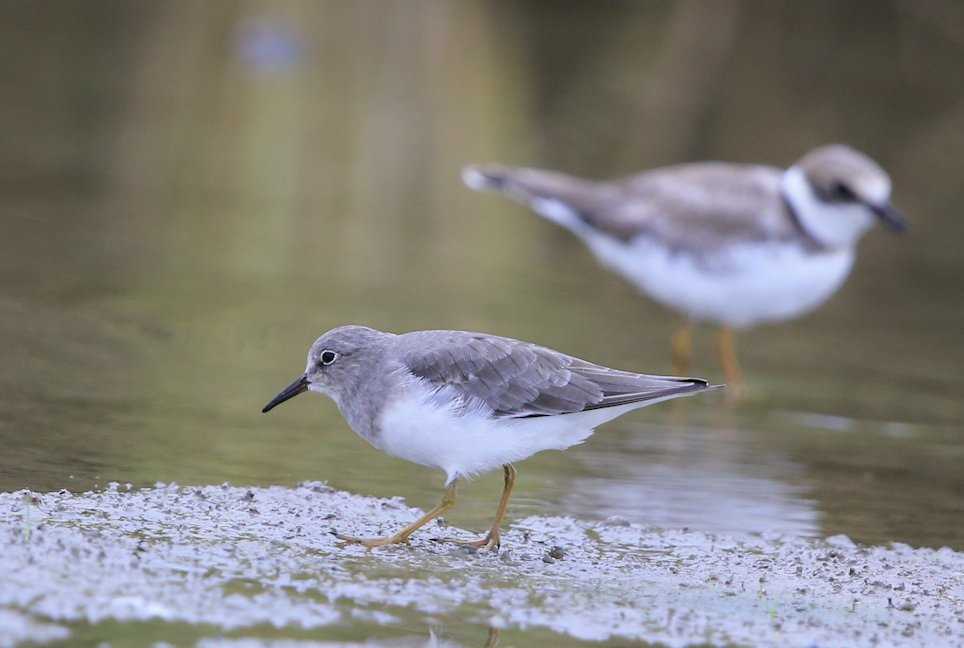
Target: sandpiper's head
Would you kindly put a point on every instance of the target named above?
(335, 362)
(838, 193)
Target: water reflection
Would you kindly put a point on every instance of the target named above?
(697, 479)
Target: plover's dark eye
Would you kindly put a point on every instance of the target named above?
(840, 191)
(327, 357)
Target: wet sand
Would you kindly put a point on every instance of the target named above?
(238, 558)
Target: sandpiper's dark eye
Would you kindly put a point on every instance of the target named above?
(327, 357)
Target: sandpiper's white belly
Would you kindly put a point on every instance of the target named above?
(743, 285)
(430, 428)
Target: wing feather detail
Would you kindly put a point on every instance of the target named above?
(515, 379)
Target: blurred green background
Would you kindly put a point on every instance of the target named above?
(191, 192)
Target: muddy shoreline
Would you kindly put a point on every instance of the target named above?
(236, 558)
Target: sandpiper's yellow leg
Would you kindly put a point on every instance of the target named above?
(492, 641)
(448, 501)
(731, 366)
(682, 348)
(493, 538)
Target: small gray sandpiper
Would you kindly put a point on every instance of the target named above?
(467, 403)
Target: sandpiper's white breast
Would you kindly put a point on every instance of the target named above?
(741, 285)
(434, 428)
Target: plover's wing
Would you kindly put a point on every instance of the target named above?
(695, 207)
(519, 379)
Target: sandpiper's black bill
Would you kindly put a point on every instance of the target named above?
(298, 386)
(890, 217)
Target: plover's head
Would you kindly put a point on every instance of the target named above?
(837, 193)
(336, 361)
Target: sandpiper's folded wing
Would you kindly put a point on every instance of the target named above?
(519, 379)
(696, 207)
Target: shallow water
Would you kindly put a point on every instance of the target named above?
(190, 194)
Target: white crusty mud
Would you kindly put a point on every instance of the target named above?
(237, 558)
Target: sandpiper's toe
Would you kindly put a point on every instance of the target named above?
(371, 543)
(492, 542)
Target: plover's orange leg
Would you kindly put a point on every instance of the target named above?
(731, 366)
(493, 538)
(448, 501)
(682, 348)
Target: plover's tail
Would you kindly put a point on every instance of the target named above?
(481, 177)
(561, 198)
(524, 183)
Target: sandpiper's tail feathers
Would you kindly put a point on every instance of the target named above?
(623, 387)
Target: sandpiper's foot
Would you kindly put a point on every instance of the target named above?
(491, 541)
(371, 543)
(448, 501)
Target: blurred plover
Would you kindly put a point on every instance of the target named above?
(732, 244)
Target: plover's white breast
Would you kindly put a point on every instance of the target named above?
(741, 285)
(435, 429)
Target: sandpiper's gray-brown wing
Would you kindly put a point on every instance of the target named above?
(519, 379)
(695, 207)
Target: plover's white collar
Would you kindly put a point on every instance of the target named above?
(832, 225)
